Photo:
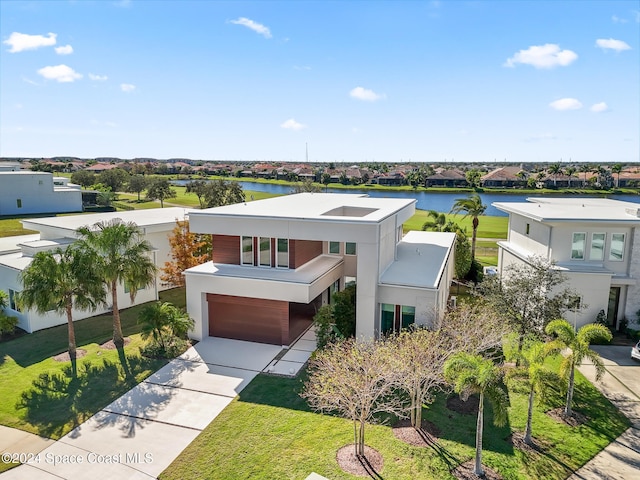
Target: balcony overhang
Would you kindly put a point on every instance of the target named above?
(301, 285)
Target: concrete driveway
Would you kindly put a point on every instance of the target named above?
(141, 433)
(621, 385)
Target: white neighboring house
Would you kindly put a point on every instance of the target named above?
(595, 242)
(276, 261)
(16, 253)
(26, 193)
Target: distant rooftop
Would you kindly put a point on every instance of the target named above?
(574, 209)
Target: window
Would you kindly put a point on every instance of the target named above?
(128, 285)
(282, 260)
(350, 248)
(387, 318)
(19, 202)
(265, 252)
(334, 247)
(247, 251)
(13, 300)
(577, 246)
(408, 316)
(616, 252)
(528, 227)
(333, 289)
(597, 246)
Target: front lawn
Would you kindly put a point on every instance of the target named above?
(38, 394)
(269, 432)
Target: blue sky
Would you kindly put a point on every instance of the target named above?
(356, 81)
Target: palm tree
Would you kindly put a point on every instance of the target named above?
(471, 374)
(470, 206)
(584, 168)
(122, 256)
(617, 169)
(436, 222)
(61, 281)
(578, 345)
(569, 171)
(555, 170)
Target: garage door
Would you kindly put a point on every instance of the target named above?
(250, 319)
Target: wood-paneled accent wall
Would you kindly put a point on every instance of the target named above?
(226, 249)
(301, 251)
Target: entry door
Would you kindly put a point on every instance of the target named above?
(614, 301)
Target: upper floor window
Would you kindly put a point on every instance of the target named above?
(13, 300)
(350, 248)
(247, 251)
(597, 246)
(19, 202)
(282, 260)
(616, 251)
(577, 246)
(265, 251)
(334, 247)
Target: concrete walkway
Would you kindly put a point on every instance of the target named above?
(620, 460)
(141, 433)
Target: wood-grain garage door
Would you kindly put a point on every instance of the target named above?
(250, 319)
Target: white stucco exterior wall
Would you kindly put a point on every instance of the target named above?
(23, 193)
(633, 291)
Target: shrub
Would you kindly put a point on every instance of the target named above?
(8, 324)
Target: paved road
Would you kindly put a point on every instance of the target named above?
(621, 385)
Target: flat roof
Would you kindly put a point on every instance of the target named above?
(315, 206)
(142, 218)
(421, 259)
(12, 244)
(574, 209)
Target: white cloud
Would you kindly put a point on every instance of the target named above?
(617, 19)
(291, 124)
(97, 78)
(365, 94)
(255, 26)
(29, 81)
(566, 104)
(599, 107)
(60, 73)
(22, 41)
(612, 44)
(548, 55)
(65, 50)
(127, 87)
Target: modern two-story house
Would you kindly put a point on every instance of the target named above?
(595, 242)
(276, 261)
(26, 192)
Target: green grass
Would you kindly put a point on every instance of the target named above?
(269, 432)
(488, 227)
(12, 226)
(39, 394)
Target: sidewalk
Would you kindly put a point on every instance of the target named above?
(620, 460)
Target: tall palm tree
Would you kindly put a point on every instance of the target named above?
(436, 221)
(122, 256)
(584, 168)
(555, 170)
(471, 374)
(578, 345)
(61, 281)
(617, 169)
(470, 206)
(569, 171)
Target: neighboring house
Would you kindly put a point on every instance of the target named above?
(276, 261)
(16, 253)
(594, 242)
(505, 177)
(26, 193)
(447, 178)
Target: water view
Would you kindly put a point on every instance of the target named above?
(439, 201)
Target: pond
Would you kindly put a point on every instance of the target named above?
(438, 201)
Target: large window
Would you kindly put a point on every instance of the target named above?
(408, 316)
(334, 247)
(265, 252)
(247, 251)
(387, 318)
(597, 246)
(13, 300)
(616, 252)
(282, 260)
(577, 246)
(350, 248)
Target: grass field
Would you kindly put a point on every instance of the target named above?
(488, 227)
(269, 432)
(10, 227)
(39, 394)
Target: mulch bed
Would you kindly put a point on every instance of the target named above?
(423, 437)
(574, 420)
(64, 356)
(111, 346)
(369, 466)
(468, 407)
(465, 472)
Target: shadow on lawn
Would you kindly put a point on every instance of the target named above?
(276, 392)
(59, 402)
